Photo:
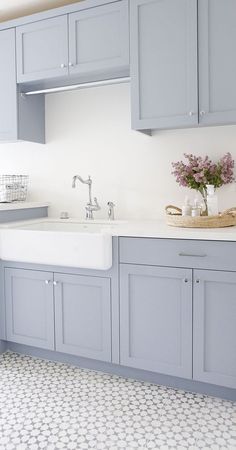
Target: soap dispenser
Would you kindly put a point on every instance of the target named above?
(212, 200)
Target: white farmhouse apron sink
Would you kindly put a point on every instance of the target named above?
(65, 243)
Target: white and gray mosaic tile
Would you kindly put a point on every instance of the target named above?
(47, 405)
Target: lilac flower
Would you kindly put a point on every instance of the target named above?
(199, 171)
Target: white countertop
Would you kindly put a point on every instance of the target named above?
(148, 229)
(22, 205)
(159, 229)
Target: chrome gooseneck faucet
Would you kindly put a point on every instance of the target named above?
(90, 206)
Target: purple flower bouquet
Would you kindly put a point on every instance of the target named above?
(199, 171)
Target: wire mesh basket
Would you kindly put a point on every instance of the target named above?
(13, 188)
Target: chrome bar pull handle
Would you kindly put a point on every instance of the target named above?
(192, 255)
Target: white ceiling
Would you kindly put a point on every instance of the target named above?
(10, 9)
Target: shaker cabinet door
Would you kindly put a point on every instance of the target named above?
(163, 63)
(156, 319)
(99, 40)
(217, 62)
(29, 307)
(83, 316)
(8, 91)
(42, 49)
(20, 117)
(214, 336)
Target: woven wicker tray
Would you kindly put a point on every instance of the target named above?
(175, 219)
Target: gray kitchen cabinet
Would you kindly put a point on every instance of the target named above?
(214, 330)
(29, 307)
(42, 49)
(156, 319)
(21, 118)
(164, 85)
(186, 253)
(99, 40)
(91, 42)
(183, 65)
(83, 316)
(217, 62)
(8, 89)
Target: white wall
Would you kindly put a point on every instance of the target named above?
(89, 132)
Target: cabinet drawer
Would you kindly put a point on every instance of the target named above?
(179, 253)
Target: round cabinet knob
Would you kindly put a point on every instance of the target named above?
(71, 64)
(55, 283)
(197, 281)
(202, 113)
(191, 113)
(185, 280)
(47, 281)
(63, 66)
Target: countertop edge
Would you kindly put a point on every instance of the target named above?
(22, 205)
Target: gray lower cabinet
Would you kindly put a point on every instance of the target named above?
(217, 62)
(29, 307)
(214, 356)
(20, 118)
(77, 307)
(99, 40)
(42, 49)
(164, 85)
(83, 316)
(156, 319)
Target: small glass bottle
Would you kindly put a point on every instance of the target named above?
(212, 200)
(187, 208)
(196, 209)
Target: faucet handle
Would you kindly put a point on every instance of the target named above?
(111, 215)
(96, 203)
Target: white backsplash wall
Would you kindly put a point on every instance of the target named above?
(89, 132)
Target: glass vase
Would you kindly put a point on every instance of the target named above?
(203, 192)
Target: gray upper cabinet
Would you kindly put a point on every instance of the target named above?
(8, 90)
(83, 316)
(156, 319)
(90, 43)
(42, 49)
(214, 327)
(21, 118)
(182, 61)
(217, 61)
(29, 307)
(163, 63)
(99, 40)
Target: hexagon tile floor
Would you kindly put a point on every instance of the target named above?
(46, 405)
